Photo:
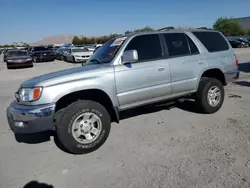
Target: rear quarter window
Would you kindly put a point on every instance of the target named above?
(213, 41)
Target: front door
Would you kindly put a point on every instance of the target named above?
(148, 79)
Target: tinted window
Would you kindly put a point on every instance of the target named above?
(147, 46)
(177, 44)
(193, 47)
(213, 41)
(17, 53)
(40, 48)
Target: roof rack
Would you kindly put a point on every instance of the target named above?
(166, 28)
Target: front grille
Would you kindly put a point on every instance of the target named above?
(85, 56)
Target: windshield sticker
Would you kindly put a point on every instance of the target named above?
(118, 41)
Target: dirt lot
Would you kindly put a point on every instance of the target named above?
(160, 146)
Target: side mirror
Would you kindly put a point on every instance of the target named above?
(130, 56)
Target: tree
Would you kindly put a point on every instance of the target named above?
(228, 27)
(76, 40)
(248, 32)
(145, 29)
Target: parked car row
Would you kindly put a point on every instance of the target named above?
(76, 54)
(26, 57)
(239, 42)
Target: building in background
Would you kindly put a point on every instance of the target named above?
(244, 22)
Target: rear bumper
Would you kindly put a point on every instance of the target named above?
(232, 76)
(45, 58)
(30, 119)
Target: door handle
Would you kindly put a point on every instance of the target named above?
(161, 68)
(201, 62)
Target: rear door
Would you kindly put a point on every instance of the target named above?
(146, 80)
(185, 62)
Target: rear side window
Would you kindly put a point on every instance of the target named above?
(177, 44)
(192, 46)
(213, 41)
(147, 46)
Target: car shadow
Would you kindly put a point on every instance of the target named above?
(242, 83)
(244, 67)
(35, 184)
(186, 105)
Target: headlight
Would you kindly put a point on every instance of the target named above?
(29, 59)
(9, 60)
(30, 94)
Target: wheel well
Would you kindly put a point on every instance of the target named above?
(215, 73)
(92, 94)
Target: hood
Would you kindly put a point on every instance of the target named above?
(82, 53)
(67, 75)
(18, 57)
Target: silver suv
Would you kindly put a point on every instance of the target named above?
(79, 104)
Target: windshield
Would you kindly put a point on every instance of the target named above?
(17, 53)
(107, 51)
(40, 48)
(79, 50)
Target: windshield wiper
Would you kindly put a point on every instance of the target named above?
(95, 60)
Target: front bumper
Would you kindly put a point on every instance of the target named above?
(81, 59)
(30, 119)
(232, 76)
(23, 64)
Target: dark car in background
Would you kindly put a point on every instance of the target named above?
(18, 58)
(41, 53)
(237, 43)
(243, 42)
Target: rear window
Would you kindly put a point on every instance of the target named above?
(213, 41)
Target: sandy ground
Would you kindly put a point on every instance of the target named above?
(156, 147)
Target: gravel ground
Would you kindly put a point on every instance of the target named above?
(158, 146)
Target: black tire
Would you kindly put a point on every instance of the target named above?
(202, 95)
(62, 58)
(73, 59)
(64, 121)
(8, 67)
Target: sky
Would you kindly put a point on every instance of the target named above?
(32, 20)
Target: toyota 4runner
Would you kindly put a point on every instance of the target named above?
(79, 104)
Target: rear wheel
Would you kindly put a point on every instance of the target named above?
(210, 95)
(82, 127)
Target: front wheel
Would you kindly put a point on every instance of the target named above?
(210, 95)
(82, 127)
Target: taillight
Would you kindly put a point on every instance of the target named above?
(236, 61)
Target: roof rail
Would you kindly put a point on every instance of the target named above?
(204, 28)
(166, 28)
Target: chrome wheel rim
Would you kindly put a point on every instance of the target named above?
(86, 128)
(214, 96)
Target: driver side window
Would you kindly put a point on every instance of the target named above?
(147, 46)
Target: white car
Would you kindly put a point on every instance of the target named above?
(77, 54)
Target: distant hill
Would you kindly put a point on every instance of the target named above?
(57, 39)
